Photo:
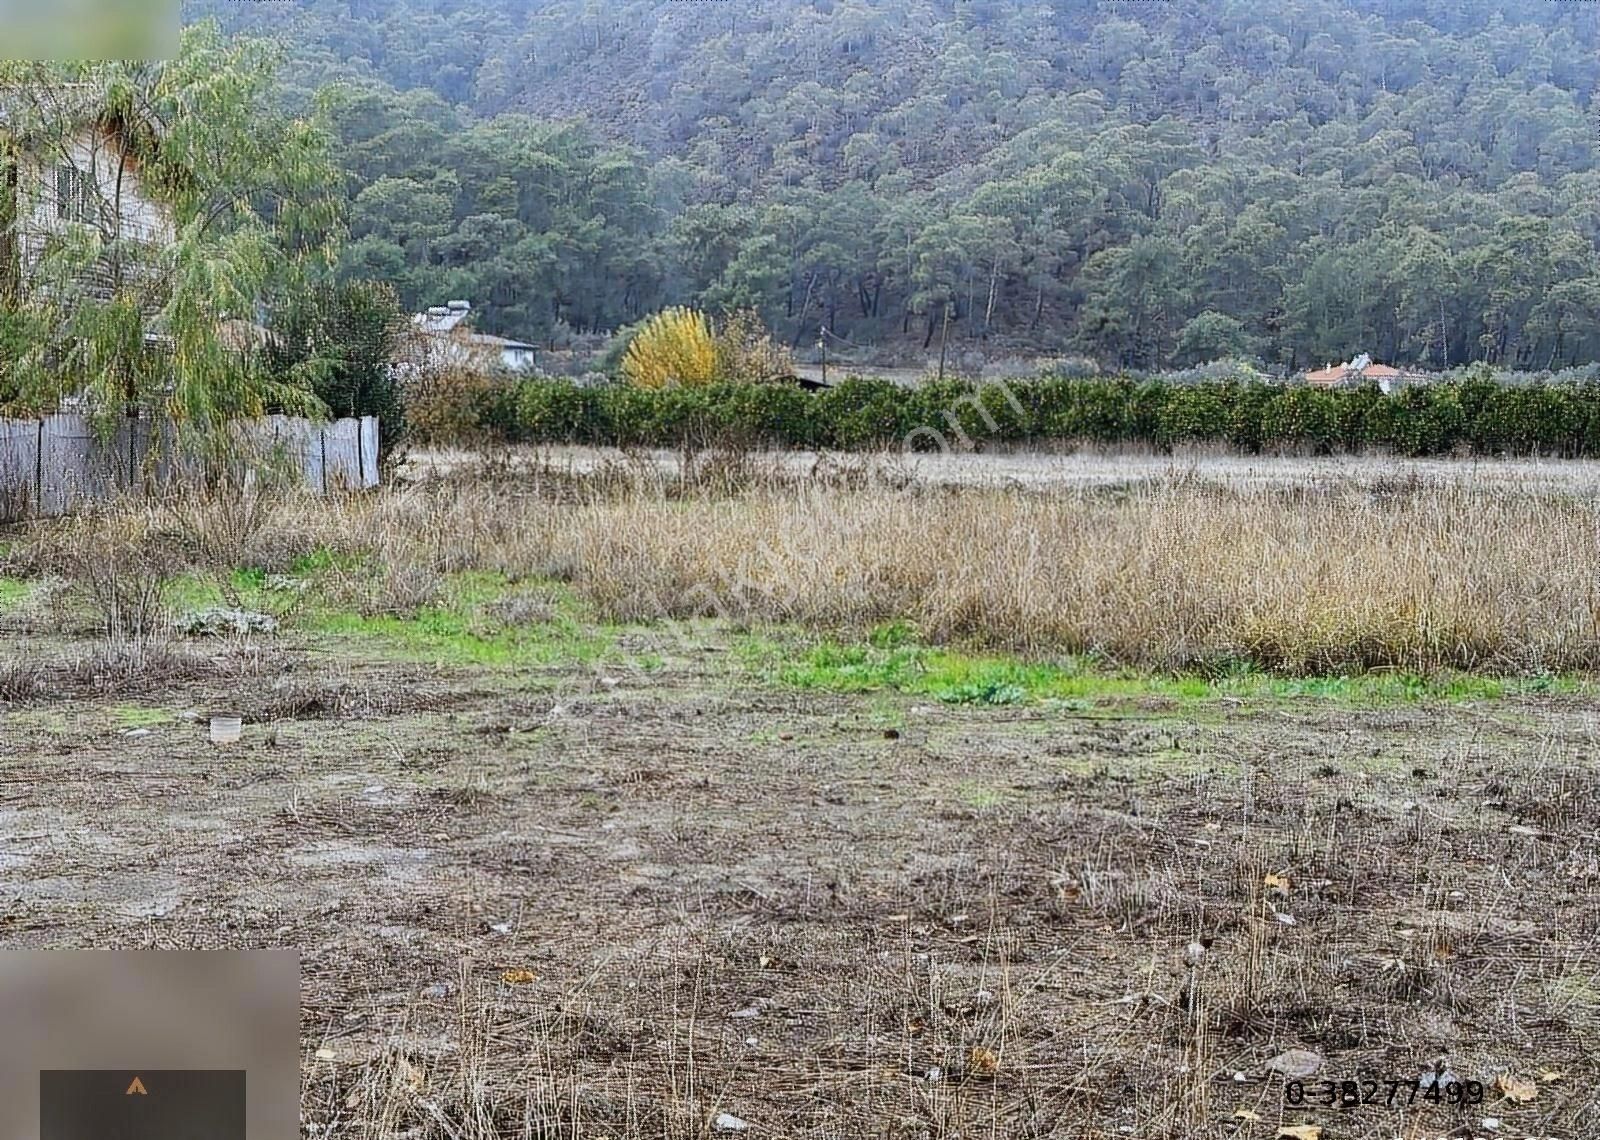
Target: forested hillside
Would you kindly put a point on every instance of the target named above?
(1149, 183)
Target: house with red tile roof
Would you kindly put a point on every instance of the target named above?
(1357, 371)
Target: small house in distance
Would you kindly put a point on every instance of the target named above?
(1361, 370)
(449, 339)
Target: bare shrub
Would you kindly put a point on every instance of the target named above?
(121, 670)
(236, 522)
(116, 566)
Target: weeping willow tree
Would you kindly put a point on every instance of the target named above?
(147, 212)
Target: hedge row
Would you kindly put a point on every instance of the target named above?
(1475, 414)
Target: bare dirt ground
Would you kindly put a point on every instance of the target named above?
(1084, 468)
(535, 905)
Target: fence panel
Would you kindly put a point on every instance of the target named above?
(301, 441)
(341, 449)
(50, 465)
(369, 451)
(19, 468)
(71, 464)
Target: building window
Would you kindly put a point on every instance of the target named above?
(75, 195)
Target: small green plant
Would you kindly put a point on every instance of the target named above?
(985, 692)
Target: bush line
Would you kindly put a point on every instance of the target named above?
(1476, 415)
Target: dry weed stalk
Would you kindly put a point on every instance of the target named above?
(1187, 574)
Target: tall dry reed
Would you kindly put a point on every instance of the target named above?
(1179, 574)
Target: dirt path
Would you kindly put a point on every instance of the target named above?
(1083, 469)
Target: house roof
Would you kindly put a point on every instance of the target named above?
(1361, 368)
(25, 104)
(442, 318)
(499, 342)
(448, 320)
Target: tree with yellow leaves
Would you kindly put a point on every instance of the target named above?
(673, 347)
(679, 346)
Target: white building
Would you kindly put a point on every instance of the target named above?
(449, 339)
(88, 173)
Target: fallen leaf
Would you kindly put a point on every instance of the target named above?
(982, 1061)
(1278, 883)
(1548, 1075)
(518, 977)
(357, 1095)
(411, 1075)
(1246, 1114)
(1299, 1132)
(768, 962)
(1518, 1090)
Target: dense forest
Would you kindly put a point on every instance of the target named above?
(1151, 184)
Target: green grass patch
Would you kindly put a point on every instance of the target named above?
(140, 716)
(888, 662)
(188, 592)
(322, 560)
(981, 797)
(13, 592)
(465, 629)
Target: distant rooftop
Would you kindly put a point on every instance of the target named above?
(442, 318)
(1360, 368)
(448, 318)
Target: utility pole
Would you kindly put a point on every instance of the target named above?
(822, 343)
(944, 333)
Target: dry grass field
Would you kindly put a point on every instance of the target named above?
(720, 801)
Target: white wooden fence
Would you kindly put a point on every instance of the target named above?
(49, 465)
